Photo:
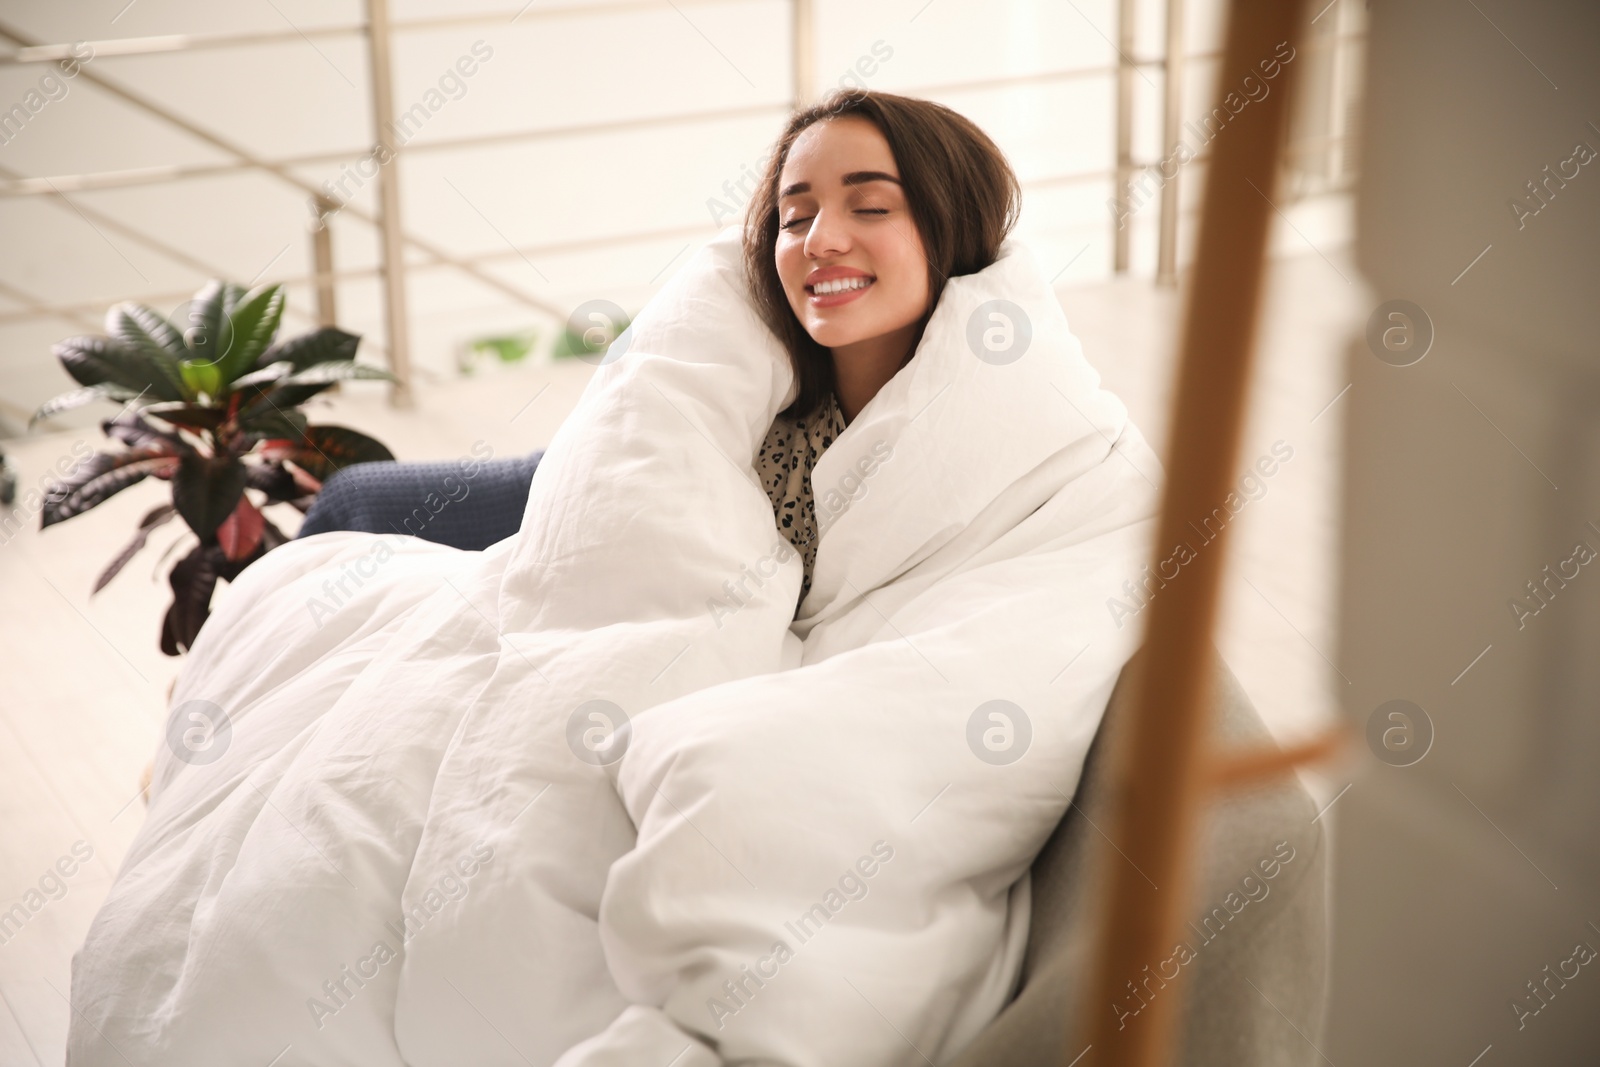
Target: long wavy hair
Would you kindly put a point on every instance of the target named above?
(961, 191)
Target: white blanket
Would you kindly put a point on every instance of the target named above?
(595, 796)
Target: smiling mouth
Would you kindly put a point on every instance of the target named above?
(840, 285)
(839, 290)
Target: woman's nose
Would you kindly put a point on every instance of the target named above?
(828, 236)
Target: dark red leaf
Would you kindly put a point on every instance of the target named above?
(272, 479)
(206, 490)
(307, 483)
(191, 416)
(100, 477)
(193, 579)
(132, 429)
(240, 532)
(330, 448)
(154, 518)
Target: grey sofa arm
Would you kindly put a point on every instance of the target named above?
(460, 503)
(1257, 963)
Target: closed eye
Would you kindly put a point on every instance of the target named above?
(859, 211)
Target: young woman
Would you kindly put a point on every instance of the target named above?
(869, 203)
(612, 723)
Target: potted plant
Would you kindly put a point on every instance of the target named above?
(594, 342)
(503, 348)
(210, 404)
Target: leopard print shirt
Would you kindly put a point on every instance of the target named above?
(784, 465)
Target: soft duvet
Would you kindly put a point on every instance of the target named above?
(596, 796)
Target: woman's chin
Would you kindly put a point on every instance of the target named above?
(836, 334)
(834, 344)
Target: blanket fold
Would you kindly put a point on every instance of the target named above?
(598, 795)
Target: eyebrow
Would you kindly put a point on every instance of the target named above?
(855, 177)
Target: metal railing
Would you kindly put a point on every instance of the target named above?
(379, 31)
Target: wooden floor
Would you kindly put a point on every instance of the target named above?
(83, 685)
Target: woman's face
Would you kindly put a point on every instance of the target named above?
(844, 226)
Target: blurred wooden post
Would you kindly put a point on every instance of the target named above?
(391, 234)
(1171, 120)
(1122, 230)
(322, 260)
(1337, 105)
(1163, 776)
(323, 280)
(802, 54)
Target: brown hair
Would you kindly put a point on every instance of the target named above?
(962, 194)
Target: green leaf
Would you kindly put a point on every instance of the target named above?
(94, 360)
(151, 334)
(509, 348)
(145, 328)
(205, 490)
(100, 477)
(336, 371)
(592, 341)
(274, 423)
(330, 448)
(282, 399)
(232, 296)
(79, 397)
(97, 360)
(295, 389)
(252, 325)
(202, 379)
(263, 375)
(207, 333)
(320, 346)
